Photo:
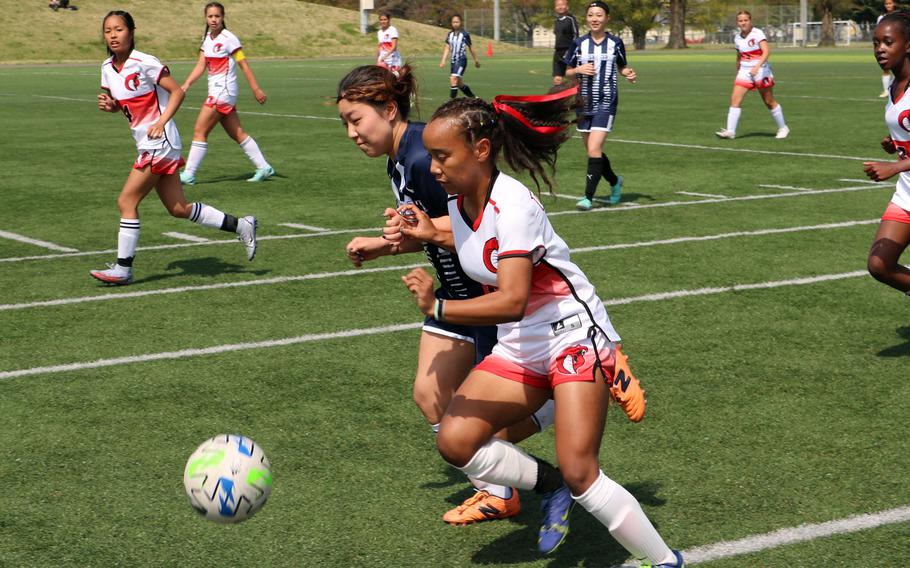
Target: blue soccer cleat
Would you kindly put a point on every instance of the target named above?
(262, 174)
(554, 529)
(584, 204)
(187, 178)
(616, 191)
(678, 563)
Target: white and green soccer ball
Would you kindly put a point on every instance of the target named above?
(228, 478)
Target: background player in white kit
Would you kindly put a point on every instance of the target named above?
(555, 338)
(142, 88)
(890, 6)
(458, 43)
(221, 53)
(891, 44)
(388, 55)
(752, 72)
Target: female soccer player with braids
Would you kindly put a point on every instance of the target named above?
(374, 104)
(555, 338)
(138, 85)
(891, 45)
(221, 54)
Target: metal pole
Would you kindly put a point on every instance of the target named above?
(804, 21)
(496, 19)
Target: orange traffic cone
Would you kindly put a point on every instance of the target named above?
(489, 49)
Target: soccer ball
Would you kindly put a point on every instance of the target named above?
(228, 478)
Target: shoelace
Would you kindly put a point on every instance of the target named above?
(477, 497)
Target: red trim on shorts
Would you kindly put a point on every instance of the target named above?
(221, 108)
(502, 367)
(160, 166)
(895, 212)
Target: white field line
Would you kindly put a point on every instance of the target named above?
(185, 237)
(619, 140)
(36, 242)
(793, 187)
(630, 206)
(371, 230)
(394, 327)
(304, 227)
(694, 194)
(869, 181)
(792, 535)
(324, 275)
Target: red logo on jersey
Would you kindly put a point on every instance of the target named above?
(490, 248)
(131, 82)
(218, 47)
(903, 120)
(573, 358)
(752, 42)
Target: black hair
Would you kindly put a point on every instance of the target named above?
(130, 25)
(205, 10)
(377, 86)
(900, 18)
(528, 130)
(598, 4)
(386, 14)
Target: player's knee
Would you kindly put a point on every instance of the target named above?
(238, 135)
(179, 210)
(579, 474)
(454, 446)
(879, 268)
(428, 403)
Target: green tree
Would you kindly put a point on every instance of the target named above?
(640, 16)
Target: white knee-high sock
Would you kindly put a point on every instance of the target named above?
(733, 118)
(503, 463)
(777, 113)
(253, 153)
(886, 81)
(194, 159)
(127, 240)
(207, 216)
(620, 512)
(545, 415)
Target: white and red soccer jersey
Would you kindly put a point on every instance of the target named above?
(388, 53)
(897, 117)
(135, 87)
(219, 61)
(749, 47)
(514, 223)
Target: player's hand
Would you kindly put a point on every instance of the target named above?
(106, 103)
(442, 64)
(416, 225)
(392, 230)
(629, 74)
(362, 249)
(880, 171)
(155, 131)
(184, 87)
(477, 63)
(260, 96)
(586, 69)
(754, 71)
(888, 145)
(420, 284)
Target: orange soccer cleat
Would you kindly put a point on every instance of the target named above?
(625, 388)
(483, 507)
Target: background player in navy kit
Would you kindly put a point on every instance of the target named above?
(597, 56)
(374, 104)
(458, 43)
(566, 31)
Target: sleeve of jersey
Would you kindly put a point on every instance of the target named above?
(467, 38)
(519, 228)
(446, 40)
(760, 36)
(234, 45)
(571, 58)
(393, 32)
(153, 69)
(621, 60)
(104, 84)
(428, 190)
(574, 26)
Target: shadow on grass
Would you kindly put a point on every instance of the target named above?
(757, 135)
(626, 198)
(901, 350)
(238, 177)
(588, 544)
(208, 266)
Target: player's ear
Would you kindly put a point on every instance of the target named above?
(391, 110)
(482, 149)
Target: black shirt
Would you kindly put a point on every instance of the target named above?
(566, 30)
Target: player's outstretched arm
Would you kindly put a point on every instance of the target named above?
(194, 75)
(445, 55)
(881, 171)
(175, 99)
(250, 78)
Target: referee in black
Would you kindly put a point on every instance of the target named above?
(566, 30)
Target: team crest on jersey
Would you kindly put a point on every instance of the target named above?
(572, 359)
(491, 254)
(131, 82)
(751, 42)
(903, 120)
(218, 46)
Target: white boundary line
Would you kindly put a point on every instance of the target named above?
(398, 327)
(793, 187)
(694, 194)
(869, 181)
(791, 535)
(304, 227)
(323, 275)
(614, 208)
(36, 242)
(185, 237)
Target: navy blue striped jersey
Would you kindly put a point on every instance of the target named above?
(412, 182)
(599, 91)
(458, 44)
